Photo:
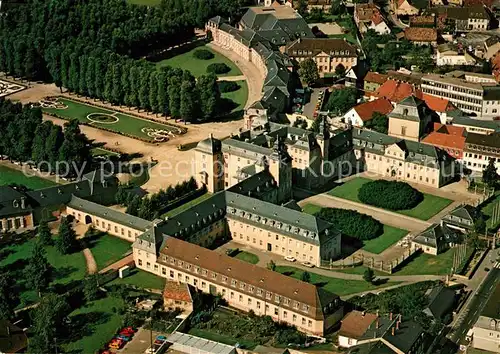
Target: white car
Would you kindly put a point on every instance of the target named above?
(290, 259)
(308, 264)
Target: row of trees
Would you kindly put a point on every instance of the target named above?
(24, 137)
(150, 207)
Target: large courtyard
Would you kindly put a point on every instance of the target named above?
(102, 118)
(426, 209)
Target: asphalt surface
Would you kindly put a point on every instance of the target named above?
(471, 313)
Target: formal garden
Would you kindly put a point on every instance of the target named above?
(359, 229)
(13, 176)
(422, 206)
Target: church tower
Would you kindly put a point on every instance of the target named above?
(280, 167)
(209, 164)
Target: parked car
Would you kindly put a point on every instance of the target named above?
(116, 343)
(124, 337)
(308, 264)
(290, 259)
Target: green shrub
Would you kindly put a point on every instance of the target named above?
(228, 86)
(203, 54)
(390, 195)
(352, 223)
(218, 68)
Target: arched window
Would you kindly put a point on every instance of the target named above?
(405, 111)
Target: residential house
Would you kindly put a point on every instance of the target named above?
(480, 149)
(368, 16)
(411, 119)
(435, 239)
(491, 47)
(404, 160)
(373, 81)
(177, 295)
(396, 91)
(462, 218)
(449, 138)
(327, 53)
(423, 21)
(463, 19)
(421, 35)
(364, 332)
(354, 77)
(470, 93)
(363, 112)
(404, 8)
(453, 54)
(441, 301)
(441, 106)
(486, 330)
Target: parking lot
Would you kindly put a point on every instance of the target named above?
(140, 343)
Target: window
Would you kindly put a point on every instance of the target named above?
(140, 262)
(294, 318)
(258, 304)
(241, 298)
(156, 267)
(171, 274)
(249, 302)
(231, 295)
(303, 321)
(276, 311)
(285, 314)
(233, 282)
(148, 265)
(203, 284)
(268, 295)
(309, 323)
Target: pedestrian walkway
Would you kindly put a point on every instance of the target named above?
(232, 78)
(119, 264)
(90, 260)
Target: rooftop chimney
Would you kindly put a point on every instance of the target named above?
(390, 316)
(393, 330)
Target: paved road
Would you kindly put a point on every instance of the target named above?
(384, 216)
(472, 310)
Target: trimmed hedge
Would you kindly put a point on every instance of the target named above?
(218, 68)
(392, 195)
(203, 54)
(228, 86)
(352, 223)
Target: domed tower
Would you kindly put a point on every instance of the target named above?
(280, 166)
(209, 164)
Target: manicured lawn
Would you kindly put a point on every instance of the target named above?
(360, 270)
(187, 205)
(103, 152)
(198, 67)
(97, 323)
(220, 338)
(108, 249)
(145, 2)
(247, 257)
(141, 279)
(123, 123)
(337, 286)
(430, 206)
(67, 268)
(390, 236)
(9, 175)
(426, 264)
(239, 96)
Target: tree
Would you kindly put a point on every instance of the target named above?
(271, 265)
(43, 233)
(209, 93)
(392, 195)
(340, 70)
(66, 241)
(379, 123)
(48, 322)
(38, 272)
(134, 205)
(302, 7)
(188, 101)
(308, 71)
(174, 96)
(342, 100)
(369, 275)
(352, 223)
(91, 287)
(7, 297)
(305, 277)
(490, 174)
(337, 7)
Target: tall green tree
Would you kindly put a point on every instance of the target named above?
(308, 71)
(379, 123)
(490, 174)
(8, 297)
(42, 132)
(91, 287)
(143, 93)
(342, 100)
(369, 275)
(174, 96)
(38, 272)
(117, 90)
(66, 239)
(153, 92)
(209, 93)
(43, 233)
(53, 144)
(188, 104)
(302, 7)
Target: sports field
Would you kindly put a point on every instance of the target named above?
(111, 120)
(198, 67)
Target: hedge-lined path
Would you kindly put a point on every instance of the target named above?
(384, 216)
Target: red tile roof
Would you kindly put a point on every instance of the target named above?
(447, 136)
(177, 291)
(377, 18)
(366, 110)
(437, 104)
(417, 34)
(365, 12)
(356, 323)
(375, 77)
(396, 91)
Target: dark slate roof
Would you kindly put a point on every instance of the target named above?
(255, 186)
(11, 202)
(405, 337)
(435, 235)
(466, 212)
(373, 136)
(461, 119)
(210, 145)
(441, 300)
(258, 105)
(491, 93)
(492, 140)
(109, 214)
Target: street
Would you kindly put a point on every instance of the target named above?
(472, 310)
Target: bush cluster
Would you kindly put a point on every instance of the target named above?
(352, 223)
(203, 54)
(218, 68)
(390, 195)
(228, 86)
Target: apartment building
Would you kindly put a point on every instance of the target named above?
(404, 160)
(327, 53)
(485, 127)
(481, 98)
(368, 16)
(243, 285)
(480, 149)
(452, 54)
(463, 19)
(486, 330)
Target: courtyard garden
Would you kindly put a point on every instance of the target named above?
(426, 264)
(385, 237)
(189, 61)
(107, 249)
(341, 287)
(429, 206)
(12, 176)
(113, 121)
(141, 279)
